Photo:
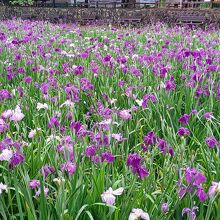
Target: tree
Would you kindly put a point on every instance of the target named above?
(22, 2)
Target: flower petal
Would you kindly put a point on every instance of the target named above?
(118, 191)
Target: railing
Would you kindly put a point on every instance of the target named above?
(192, 4)
(99, 5)
(96, 4)
(216, 4)
(123, 5)
(197, 4)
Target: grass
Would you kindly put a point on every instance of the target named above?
(49, 55)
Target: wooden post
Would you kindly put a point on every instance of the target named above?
(86, 3)
(180, 3)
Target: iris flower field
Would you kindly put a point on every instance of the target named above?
(109, 123)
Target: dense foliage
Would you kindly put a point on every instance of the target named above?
(22, 2)
(109, 123)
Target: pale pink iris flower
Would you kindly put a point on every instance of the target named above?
(214, 189)
(138, 213)
(6, 155)
(3, 188)
(17, 115)
(108, 196)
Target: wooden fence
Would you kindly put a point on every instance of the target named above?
(97, 4)
(118, 4)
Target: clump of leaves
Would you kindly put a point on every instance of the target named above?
(22, 2)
